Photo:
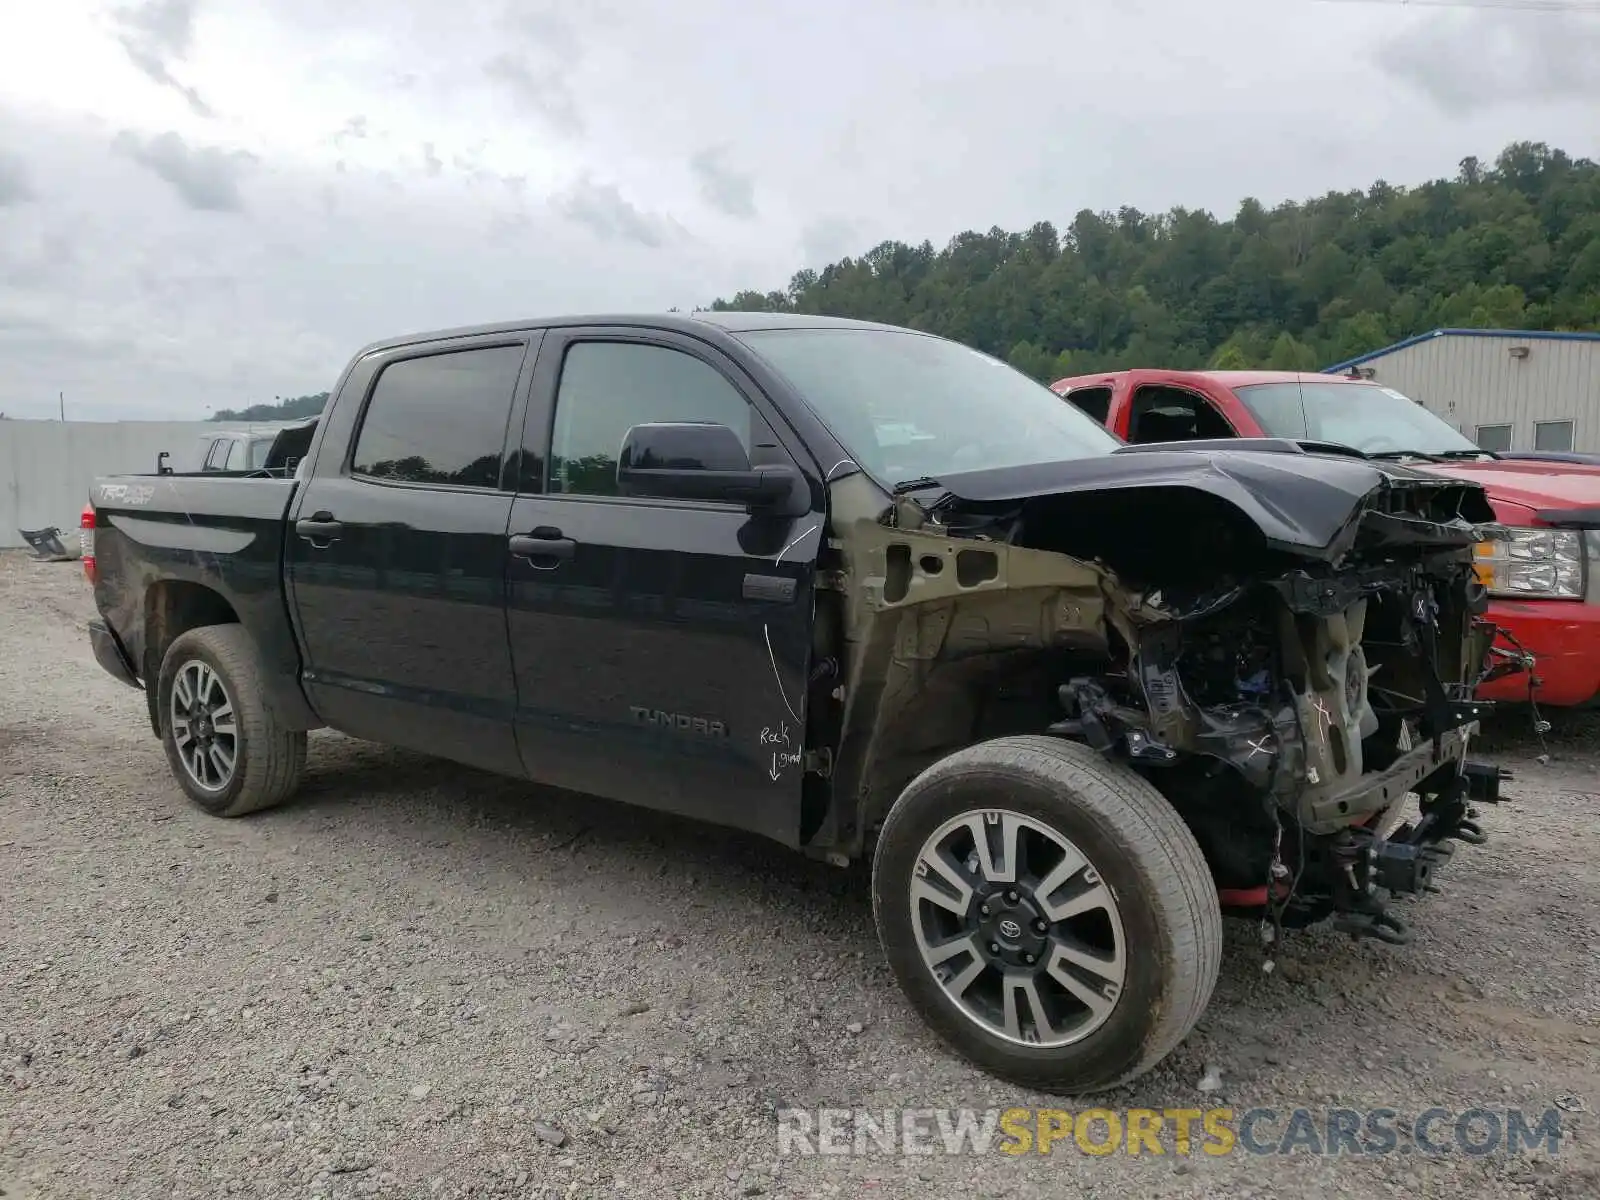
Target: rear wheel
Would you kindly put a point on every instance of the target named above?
(1047, 912)
(225, 746)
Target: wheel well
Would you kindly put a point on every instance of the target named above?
(172, 607)
(972, 699)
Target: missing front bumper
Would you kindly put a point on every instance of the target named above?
(1374, 792)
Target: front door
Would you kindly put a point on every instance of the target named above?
(397, 557)
(661, 647)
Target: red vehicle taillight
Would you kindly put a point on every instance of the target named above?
(86, 541)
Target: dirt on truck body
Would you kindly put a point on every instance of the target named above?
(868, 592)
(1284, 646)
(1260, 636)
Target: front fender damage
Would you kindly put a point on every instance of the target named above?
(1287, 700)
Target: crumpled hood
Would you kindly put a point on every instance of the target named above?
(1301, 502)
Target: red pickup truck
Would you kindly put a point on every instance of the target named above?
(1545, 583)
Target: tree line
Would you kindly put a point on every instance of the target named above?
(1512, 245)
(292, 409)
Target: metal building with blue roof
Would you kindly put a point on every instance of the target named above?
(1506, 389)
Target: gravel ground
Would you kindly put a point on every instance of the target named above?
(416, 979)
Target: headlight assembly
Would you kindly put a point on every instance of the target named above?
(1536, 564)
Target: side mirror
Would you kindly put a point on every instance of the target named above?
(698, 461)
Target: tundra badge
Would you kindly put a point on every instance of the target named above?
(677, 722)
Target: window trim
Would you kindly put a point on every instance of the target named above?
(208, 463)
(1511, 435)
(538, 438)
(1572, 435)
(382, 362)
(1134, 414)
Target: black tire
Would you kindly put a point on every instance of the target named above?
(268, 760)
(1162, 888)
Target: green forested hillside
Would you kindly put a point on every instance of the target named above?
(291, 409)
(1300, 285)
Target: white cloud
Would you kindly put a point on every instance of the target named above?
(542, 90)
(157, 35)
(15, 185)
(211, 202)
(206, 178)
(606, 212)
(722, 186)
(1469, 62)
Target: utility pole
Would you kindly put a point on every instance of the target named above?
(62, 396)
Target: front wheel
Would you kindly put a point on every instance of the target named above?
(223, 741)
(1047, 912)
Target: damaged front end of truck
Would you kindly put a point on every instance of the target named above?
(1285, 643)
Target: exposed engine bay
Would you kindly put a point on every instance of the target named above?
(1285, 644)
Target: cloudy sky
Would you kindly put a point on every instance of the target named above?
(208, 203)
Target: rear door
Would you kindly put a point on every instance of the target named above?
(397, 556)
(661, 647)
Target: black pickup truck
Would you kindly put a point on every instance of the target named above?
(865, 591)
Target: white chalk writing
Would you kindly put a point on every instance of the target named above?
(782, 756)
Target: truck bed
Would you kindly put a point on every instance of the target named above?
(224, 534)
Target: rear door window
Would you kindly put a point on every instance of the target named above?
(1092, 401)
(440, 419)
(1171, 414)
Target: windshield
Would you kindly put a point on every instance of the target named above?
(909, 406)
(1369, 418)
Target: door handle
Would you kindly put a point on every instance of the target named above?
(545, 548)
(319, 529)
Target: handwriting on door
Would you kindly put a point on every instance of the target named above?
(776, 741)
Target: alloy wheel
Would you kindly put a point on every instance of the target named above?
(204, 727)
(1018, 927)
